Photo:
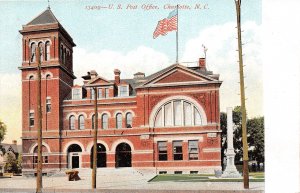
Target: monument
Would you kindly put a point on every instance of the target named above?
(230, 170)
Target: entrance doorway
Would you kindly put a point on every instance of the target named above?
(101, 156)
(74, 156)
(75, 161)
(123, 155)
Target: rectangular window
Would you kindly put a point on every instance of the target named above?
(177, 172)
(31, 119)
(48, 105)
(123, 91)
(193, 150)
(45, 159)
(106, 94)
(162, 172)
(177, 150)
(35, 159)
(99, 93)
(76, 94)
(162, 151)
(92, 93)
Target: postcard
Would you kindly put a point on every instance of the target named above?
(131, 96)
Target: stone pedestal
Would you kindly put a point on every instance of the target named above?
(230, 170)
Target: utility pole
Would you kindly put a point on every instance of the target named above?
(243, 104)
(39, 183)
(94, 172)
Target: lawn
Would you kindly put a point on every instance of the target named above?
(256, 177)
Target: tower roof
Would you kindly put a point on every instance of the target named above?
(45, 17)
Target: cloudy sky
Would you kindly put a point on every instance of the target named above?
(122, 38)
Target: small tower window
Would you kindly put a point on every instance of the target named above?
(48, 105)
(31, 118)
(93, 122)
(47, 50)
(41, 51)
(61, 52)
(64, 56)
(32, 58)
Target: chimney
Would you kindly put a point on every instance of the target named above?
(93, 74)
(139, 75)
(202, 64)
(14, 142)
(117, 76)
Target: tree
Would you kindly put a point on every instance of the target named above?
(10, 162)
(2, 130)
(255, 129)
(256, 139)
(19, 163)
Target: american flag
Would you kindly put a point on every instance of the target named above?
(166, 25)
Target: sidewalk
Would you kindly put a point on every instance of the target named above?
(121, 181)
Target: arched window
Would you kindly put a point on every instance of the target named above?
(177, 113)
(72, 122)
(129, 120)
(31, 77)
(81, 122)
(119, 120)
(47, 51)
(61, 52)
(41, 51)
(104, 119)
(44, 157)
(33, 55)
(93, 122)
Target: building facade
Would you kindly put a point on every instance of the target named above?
(168, 121)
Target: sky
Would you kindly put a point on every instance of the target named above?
(122, 38)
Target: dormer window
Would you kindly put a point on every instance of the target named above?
(106, 93)
(92, 93)
(123, 91)
(76, 94)
(99, 93)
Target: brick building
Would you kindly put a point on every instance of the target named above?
(168, 121)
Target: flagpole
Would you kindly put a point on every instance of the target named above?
(177, 37)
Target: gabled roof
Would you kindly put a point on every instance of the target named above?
(98, 81)
(10, 147)
(46, 17)
(160, 73)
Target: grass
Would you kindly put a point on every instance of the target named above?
(257, 177)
